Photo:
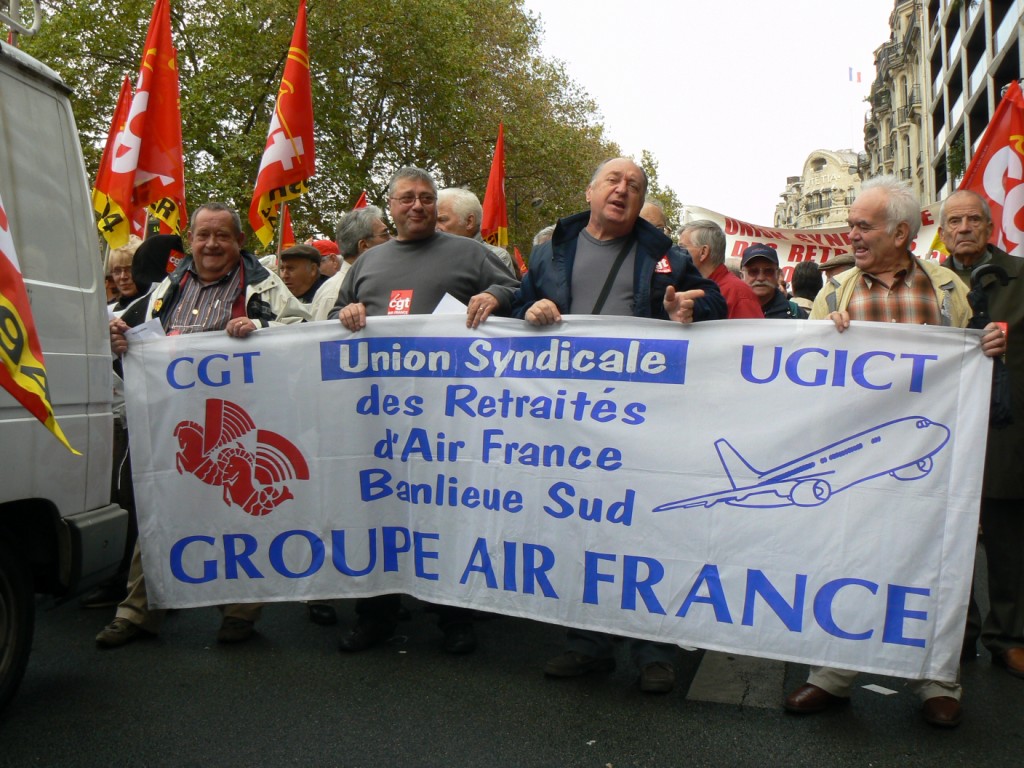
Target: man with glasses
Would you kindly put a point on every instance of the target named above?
(409, 275)
(760, 268)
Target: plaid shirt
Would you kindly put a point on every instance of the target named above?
(910, 299)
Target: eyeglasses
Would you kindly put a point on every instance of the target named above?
(426, 199)
(761, 271)
(121, 271)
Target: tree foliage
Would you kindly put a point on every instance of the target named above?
(395, 82)
(664, 195)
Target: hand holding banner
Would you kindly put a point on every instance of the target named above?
(592, 480)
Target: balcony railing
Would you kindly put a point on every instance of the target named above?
(905, 173)
(893, 51)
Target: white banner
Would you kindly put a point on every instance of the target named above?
(632, 476)
(818, 245)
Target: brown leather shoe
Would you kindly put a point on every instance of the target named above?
(809, 699)
(942, 711)
(1012, 659)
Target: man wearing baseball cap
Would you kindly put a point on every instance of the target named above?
(760, 268)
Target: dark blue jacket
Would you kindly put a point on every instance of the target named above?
(551, 263)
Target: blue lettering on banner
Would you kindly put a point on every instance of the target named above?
(213, 370)
(707, 588)
(811, 367)
(896, 611)
(238, 549)
(633, 581)
(537, 560)
(660, 361)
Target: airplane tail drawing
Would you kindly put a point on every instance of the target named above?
(740, 473)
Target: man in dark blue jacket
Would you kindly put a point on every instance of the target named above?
(608, 261)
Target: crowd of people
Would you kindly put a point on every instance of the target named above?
(620, 258)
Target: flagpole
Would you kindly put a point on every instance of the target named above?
(280, 229)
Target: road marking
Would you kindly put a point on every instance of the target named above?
(727, 678)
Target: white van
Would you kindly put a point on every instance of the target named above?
(59, 533)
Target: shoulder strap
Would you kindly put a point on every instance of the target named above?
(612, 273)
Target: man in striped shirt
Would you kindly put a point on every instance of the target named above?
(220, 287)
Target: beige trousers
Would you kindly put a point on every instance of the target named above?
(135, 607)
(839, 682)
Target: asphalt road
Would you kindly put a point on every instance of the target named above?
(288, 697)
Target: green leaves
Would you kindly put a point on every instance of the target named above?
(395, 82)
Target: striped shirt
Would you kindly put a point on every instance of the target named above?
(910, 299)
(203, 307)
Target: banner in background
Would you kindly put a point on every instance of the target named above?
(615, 474)
(818, 245)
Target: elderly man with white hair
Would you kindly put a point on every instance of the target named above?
(459, 212)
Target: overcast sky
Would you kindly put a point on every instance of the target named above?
(729, 95)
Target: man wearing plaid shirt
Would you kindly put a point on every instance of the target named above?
(890, 285)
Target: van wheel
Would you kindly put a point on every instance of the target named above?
(17, 613)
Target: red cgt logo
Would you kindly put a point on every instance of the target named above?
(252, 465)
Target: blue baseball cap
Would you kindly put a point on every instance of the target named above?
(760, 251)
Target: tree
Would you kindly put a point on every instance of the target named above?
(395, 82)
(664, 195)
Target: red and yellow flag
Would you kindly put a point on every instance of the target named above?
(146, 166)
(114, 221)
(494, 223)
(23, 372)
(995, 171)
(289, 158)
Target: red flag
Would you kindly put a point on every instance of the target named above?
(520, 261)
(995, 171)
(494, 226)
(114, 222)
(289, 158)
(361, 202)
(23, 372)
(287, 233)
(146, 165)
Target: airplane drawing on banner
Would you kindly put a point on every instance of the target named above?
(902, 448)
